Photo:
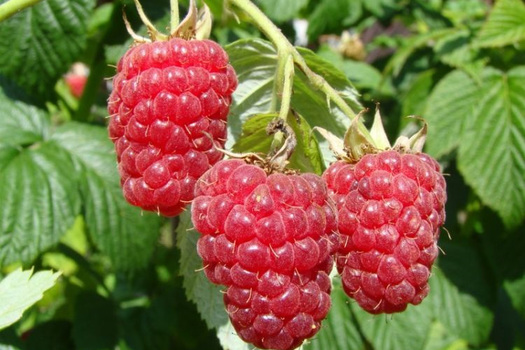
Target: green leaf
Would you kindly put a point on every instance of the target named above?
(282, 11)
(505, 25)
(255, 62)
(332, 16)
(440, 339)
(120, 230)
(199, 289)
(381, 8)
(39, 44)
(339, 331)
(449, 105)
(361, 74)
(486, 124)
(415, 99)
(20, 123)
(465, 116)
(492, 152)
(463, 295)
(40, 199)
(94, 323)
(306, 156)
(411, 45)
(19, 290)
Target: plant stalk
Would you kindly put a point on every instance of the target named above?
(174, 15)
(284, 48)
(12, 7)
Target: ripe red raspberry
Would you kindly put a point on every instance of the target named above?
(168, 109)
(390, 208)
(269, 239)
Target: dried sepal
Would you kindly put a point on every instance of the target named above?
(357, 139)
(335, 144)
(152, 31)
(416, 142)
(188, 26)
(204, 23)
(378, 133)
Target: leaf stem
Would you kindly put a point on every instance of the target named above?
(285, 48)
(174, 15)
(287, 88)
(12, 7)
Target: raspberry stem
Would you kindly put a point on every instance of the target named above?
(12, 7)
(174, 15)
(285, 49)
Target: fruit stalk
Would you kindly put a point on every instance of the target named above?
(285, 48)
(174, 15)
(12, 7)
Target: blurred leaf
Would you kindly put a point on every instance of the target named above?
(230, 340)
(505, 255)
(440, 339)
(51, 335)
(332, 16)
(39, 44)
(40, 200)
(381, 8)
(20, 290)
(255, 62)
(464, 11)
(360, 74)
(486, 124)
(463, 294)
(410, 45)
(416, 97)
(21, 123)
(505, 25)
(306, 156)
(121, 231)
(94, 323)
(199, 289)
(339, 330)
(456, 51)
(282, 11)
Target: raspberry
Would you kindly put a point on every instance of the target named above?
(269, 239)
(390, 208)
(168, 109)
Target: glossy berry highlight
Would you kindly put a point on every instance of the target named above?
(390, 210)
(269, 239)
(168, 111)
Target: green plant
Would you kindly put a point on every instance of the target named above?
(132, 280)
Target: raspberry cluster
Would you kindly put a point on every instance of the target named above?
(269, 239)
(390, 208)
(168, 109)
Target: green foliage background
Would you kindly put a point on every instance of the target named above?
(130, 279)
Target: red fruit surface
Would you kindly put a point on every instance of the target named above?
(270, 240)
(390, 209)
(76, 83)
(168, 109)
